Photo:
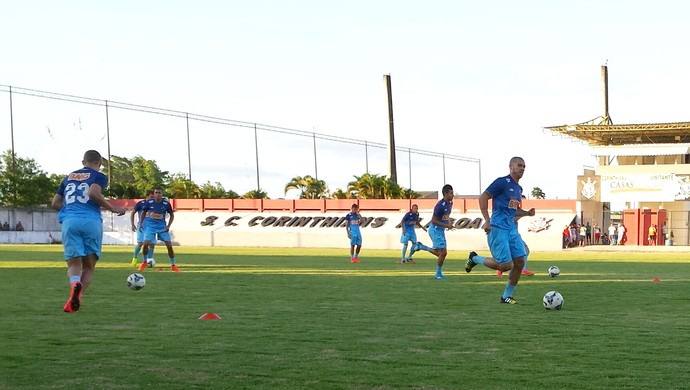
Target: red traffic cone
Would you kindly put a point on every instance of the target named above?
(209, 316)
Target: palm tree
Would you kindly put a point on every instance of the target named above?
(309, 187)
(537, 193)
(370, 186)
(256, 194)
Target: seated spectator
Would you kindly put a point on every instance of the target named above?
(19, 227)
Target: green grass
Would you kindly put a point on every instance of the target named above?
(308, 319)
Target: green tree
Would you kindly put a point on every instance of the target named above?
(147, 175)
(131, 178)
(216, 191)
(256, 194)
(340, 194)
(309, 187)
(370, 186)
(23, 183)
(182, 188)
(537, 193)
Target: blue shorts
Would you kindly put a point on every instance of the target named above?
(438, 236)
(82, 237)
(355, 239)
(152, 234)
(505, 244)
(409, 236)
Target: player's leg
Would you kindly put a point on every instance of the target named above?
(498, 245)
(404, 240)
(138, 246)
(149, 239)
(413, 239)
(73, 246)
(438, 238)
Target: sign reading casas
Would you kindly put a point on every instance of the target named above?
(323, 222)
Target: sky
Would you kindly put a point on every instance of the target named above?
(479, 79)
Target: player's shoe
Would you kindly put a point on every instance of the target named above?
(418, 246)
(527, 273)
(508, 300)
(143, 265)
(410, 261)
(74, 301)
(499, 274)
(134, 261)
(470, 263)
(356, 259)
(439, 277)
(400, 262)
(174, 268)
(353, 260)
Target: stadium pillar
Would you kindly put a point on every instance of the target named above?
(391, 133)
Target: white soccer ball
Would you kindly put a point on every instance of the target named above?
(554, 271)
(151, 262)
(136, 281)
(553, 300)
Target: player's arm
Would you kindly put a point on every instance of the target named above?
(523, 213)
(141, 219)
(484, 208)
(437, 221)
(95, 193)
(170, 221)
(420, 225)
(347, 228)
(131, 218)
(58, 202)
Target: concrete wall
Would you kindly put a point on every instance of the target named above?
(319, 230)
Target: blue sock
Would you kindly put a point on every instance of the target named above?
(137, 249)
(404, 251)
(438, 270)
(508, 292)
(151, 252)
(479, 259)
(73, 279)
(172, 261)
(424, 247)
(412, 251)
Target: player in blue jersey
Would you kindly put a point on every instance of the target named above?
(506, 245)
(78, 201)
(525, 271)
(155, 227)
(140, 234)
(440, 221)
(354, 221)
(408, 224)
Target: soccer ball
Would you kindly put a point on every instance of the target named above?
(554, 271)
(151, 262)
(553, 300)
(136, 281)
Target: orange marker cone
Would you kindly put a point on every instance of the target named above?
(656, 280)
(209, 316)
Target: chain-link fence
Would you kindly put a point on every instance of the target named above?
(55, 129)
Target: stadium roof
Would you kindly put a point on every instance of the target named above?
(608, 134)
(642, 150)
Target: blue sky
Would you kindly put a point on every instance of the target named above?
(470, 78)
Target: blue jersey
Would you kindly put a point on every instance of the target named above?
(506, 196)
(410, 221)
(353, 221)
(155, 214)
(442, 211)
(74, 190)
(139, 207)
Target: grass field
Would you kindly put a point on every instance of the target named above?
(308, 319)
